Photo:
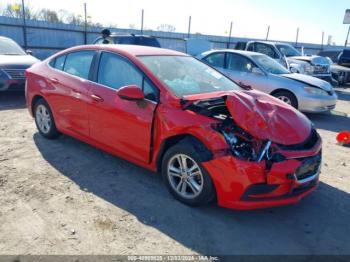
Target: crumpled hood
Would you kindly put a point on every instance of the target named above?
(310, 81)
(17, 61)
(315, 60)
(266, 117)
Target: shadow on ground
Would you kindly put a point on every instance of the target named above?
(334, 121)
(343, 95)
(317, 225)
(12, 100)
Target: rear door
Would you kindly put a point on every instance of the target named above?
(123, 125)
(69, 93)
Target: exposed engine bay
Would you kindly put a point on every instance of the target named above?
(241, 144)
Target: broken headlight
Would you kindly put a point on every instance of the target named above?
(245, 147)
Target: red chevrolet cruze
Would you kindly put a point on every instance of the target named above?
(168, 112)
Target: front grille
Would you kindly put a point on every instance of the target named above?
(309, 143)
(308, 167)
(17, 74)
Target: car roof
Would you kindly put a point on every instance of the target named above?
(129, 35)
(133, 50)
(241, 52)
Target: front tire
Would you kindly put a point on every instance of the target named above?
(287, 97)
(44, 120)
(185, 177)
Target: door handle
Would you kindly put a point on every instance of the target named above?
(54, 80)
(97, 98)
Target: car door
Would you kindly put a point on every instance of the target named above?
(239, 68)
(124, 126)
(69, 87)
(270, 51)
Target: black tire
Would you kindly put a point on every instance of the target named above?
(207, 193)
(286, 94)
(51, 132)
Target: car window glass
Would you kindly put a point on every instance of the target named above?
(216, 59)
(250, 47)
(265, 49)
(125, 40)
(59, 62)
(115, 72)
(78, 63)
(239, 63)
(150, 91)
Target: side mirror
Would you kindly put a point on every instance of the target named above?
(257, 71)
(131, 92)
(293, 70)
(29, 52)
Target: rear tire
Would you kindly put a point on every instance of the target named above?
(287, 97)
(185, 177)
(44, 120)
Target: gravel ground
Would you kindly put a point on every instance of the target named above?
(66, 197)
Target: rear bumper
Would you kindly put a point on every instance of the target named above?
(249, 185)
(12, 85)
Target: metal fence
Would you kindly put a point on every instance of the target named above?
(45, 38)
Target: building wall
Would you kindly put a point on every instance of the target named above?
(45, 38)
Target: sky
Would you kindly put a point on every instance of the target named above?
(250, 17)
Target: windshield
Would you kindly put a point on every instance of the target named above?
(185, 75)
(288, 50)
(9, 47)
(270, 65)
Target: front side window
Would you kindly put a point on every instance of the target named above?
(78, 63)
(266, 50)
(185, 75)
(216, 60)
(239, 63)
(115, 72)
(270, 65)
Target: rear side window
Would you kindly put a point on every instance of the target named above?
(59, 63)
(115, 72)
(78, 63)
(217, 60)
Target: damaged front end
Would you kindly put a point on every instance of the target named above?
(274, 154)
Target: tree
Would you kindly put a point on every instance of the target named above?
(132, 26)
(15, 10)
(49, 15)
(166, 28)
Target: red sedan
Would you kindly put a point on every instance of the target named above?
(170, 113)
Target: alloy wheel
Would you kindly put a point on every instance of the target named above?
(185, 176)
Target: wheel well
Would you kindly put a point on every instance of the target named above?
(34, 100)
(202, 150)
(285, 90)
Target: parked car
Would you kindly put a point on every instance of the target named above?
(306, 93)
(344, 58)
(171, 113)
(131, 39)
(316, 66)
(13, 61)
(339, 72)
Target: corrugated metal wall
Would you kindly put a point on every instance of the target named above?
(45, 38)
